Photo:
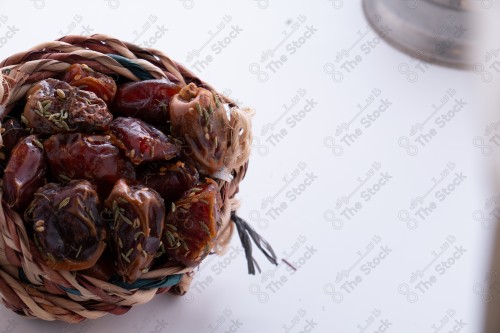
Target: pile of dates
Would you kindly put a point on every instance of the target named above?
(116, 179)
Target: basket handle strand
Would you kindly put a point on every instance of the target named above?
(245, 231)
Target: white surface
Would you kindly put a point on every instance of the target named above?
(311, 231)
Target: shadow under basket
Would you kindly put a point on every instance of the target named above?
(31, 288)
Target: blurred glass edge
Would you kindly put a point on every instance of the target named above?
(437, 31)
(486, 70)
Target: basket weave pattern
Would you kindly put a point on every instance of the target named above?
(27, 285)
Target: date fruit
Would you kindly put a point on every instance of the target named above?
(66, 224)
(116, 194)
(192, 224)
(139, 215)
(141, 141)
(25, 173)
(54, 106)
(200, 121)
(84, 77)
(85, 156)
(12, 133)
(148, 100)
(170, 180)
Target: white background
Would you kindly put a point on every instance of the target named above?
(311, 232)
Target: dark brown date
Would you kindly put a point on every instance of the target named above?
(148, 100)
(192, 224)
(139, 215)
(142, 142)
(12, 133)
(54, 106)
(91, 157)
(66, 224)
(25, 173)
(84, 77)
(200, 121)
(102, 269)
(170, 180)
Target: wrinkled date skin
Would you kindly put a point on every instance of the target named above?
(91, 157)
(200, 121)
(192, 224)
(54, 106)
(25, 173)
(67, 226)
(84, 77)
(170, 180)
(139, 215)
(148, 100)
(142, 142)
(12, 133)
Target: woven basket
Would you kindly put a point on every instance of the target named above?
(27, 285)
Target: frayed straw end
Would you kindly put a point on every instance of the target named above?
(247, 234)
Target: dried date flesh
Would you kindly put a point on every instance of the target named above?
(85, 156)
(66, 224)
(12, 133)
(108, 196)
(25, 172)
(200, 121)
(192, 224)
(54, 106)
(148, 100)
(84, 77)
(135, 236)
(141, 141)
(170, 180)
